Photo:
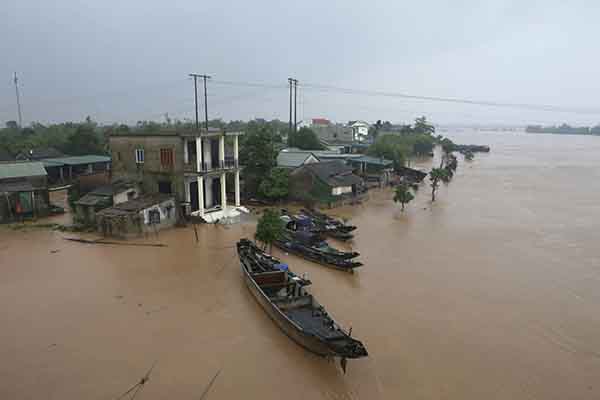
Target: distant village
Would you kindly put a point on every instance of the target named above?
(156, 178)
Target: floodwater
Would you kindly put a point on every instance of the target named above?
(491, 293)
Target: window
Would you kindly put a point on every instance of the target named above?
(166, 157)
(164, 187)
(139, 156)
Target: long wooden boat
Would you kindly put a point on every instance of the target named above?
(283, 296)
(306, 245)
(332, 227)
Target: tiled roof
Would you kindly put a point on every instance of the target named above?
(22, 169)
(334, 173)
(135, 205)
(292, 158)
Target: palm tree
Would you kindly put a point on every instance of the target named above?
(403, 195)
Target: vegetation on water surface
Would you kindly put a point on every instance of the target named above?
(403, 142)
(403, 195)
(269, 228)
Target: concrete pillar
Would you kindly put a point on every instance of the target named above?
(186, 156)
(223, 191)
(200, 195)
(207, 158)
(70, 172)
(209, 193)
(188, 196)
(235, 149)
(237, 185)
(199, 154)
(61, 174)
(222, 150)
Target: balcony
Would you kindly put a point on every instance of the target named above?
(227, 164)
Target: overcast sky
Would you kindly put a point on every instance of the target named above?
(129, 60)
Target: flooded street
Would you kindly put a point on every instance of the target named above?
(491, 293)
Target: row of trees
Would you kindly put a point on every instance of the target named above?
(75, 138)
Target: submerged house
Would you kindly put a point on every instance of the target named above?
(191, 166)
(23, 191)
(375, 171)
(330, 183)
(105, 196)
(66, 169)
(137, 217)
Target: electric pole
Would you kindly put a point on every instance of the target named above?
(293, 84)
(18, 101)
(295, 105)
(204, 77)
(290, 124)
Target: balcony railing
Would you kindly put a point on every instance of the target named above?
(206, 167)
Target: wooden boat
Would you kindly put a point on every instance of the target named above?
(332, 227)
(283, 296)
(311, 247)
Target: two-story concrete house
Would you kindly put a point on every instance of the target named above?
(191, 165)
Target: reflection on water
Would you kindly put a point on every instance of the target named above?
(492, 292)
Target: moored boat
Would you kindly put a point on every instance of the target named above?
(311, 247)
(283, 296)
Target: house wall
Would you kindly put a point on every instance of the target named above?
(138, 224)
(129, 194)
(339, 190)
(151, 172)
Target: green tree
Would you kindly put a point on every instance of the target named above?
(83, 141)
(436, 176)
(276, 185)
(469, 155)
(269, 228)
(403, 195)
(304, 139)
(257, 155)
(422, 126)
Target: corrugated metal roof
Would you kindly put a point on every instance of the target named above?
(75, 160)
(292, 159)
(13, 187)
(22, 170)
(373, 160)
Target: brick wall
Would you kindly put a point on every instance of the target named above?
(152, 171)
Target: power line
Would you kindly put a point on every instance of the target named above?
(375, 93)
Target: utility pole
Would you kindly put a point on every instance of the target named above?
(290, 80)
(295, 105)
(204, 77)
(293, 84)
(18, 101)
(195, 97)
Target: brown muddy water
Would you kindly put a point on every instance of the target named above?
(491, 293)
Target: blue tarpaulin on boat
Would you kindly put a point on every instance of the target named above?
(282, 267)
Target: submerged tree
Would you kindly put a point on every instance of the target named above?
(269, 228)
(436, 176)
(403, 195)
(469, 155)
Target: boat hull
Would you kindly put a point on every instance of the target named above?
(291, 250)
(292, 330)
